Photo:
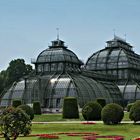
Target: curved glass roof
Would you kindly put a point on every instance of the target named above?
(51, 89)
(57, 58)
(130, 91)
(116, 56)
(57, 53)
(118, 59)
(113, 58)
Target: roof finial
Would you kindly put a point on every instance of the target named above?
(57, 33)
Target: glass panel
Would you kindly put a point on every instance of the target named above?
(4, 102)
(40, 68)
(29, 94)
(101, 60)
(138, 93)
(19, 90)
(53, 66)
(46, 67)
(130, 92)
(60, 66)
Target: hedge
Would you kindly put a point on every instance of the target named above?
(70, 108)
(92, 111)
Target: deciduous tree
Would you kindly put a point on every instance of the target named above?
(13, 122)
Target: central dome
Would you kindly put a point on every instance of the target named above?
(57, 53)
(57, 58)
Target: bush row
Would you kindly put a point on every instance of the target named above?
(111, 113)
(27, 109)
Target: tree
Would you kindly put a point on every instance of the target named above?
(3, 78)
(14, 121)
(17, 69)
(1, 84)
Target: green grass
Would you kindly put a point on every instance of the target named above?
(58, 117)
(127, 130)
(53, 117)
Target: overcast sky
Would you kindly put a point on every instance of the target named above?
(27, 27)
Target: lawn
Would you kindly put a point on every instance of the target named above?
(128, 130)
(58, 117)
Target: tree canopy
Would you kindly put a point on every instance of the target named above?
(17, 69)
(14, 121)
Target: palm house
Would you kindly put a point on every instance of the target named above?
(58, 75)
(119, 59)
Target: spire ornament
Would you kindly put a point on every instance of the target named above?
(57, 33)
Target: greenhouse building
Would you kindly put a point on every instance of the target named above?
(119, 59)
(59, 74)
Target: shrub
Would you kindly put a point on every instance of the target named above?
(112, 113)
(129, 106)
(134, 114)
(37, 108)
(70, 108)
(27, 110)
(16, 103)
(101, 101)
(14, 121)
(92, 111)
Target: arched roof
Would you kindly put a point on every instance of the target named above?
(51, 89)
(118, 54)
(57, 53)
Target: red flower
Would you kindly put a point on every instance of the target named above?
(94, 137)
(136, 138)
(48, 136)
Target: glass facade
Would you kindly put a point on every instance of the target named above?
(50, 90)
(118, 59)
(59, 75)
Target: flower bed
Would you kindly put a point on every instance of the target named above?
(82, 134)
(55, 135)
(136, 138)
(47, 136)
(111, 137)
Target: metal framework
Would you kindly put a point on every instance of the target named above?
(118, 59)
(59, 74)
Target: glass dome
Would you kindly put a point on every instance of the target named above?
(118, 59)
(57, 58)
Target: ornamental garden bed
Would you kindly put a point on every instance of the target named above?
(129, 131)
(83, 135)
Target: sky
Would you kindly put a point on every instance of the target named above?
(27, 27)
